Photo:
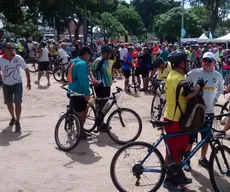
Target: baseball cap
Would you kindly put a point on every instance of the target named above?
(209, 55)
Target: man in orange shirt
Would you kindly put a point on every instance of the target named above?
(155, 49)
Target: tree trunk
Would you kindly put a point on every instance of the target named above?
(214, 16)
(70, 36)
(85, 24)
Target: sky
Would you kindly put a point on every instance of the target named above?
(186, 3)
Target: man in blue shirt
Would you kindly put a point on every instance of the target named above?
(80, 84)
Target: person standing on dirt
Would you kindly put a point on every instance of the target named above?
(11, 79)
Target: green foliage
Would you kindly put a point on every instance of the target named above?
(169, 24)
(148, 9)
(111, 26)
(131, 20)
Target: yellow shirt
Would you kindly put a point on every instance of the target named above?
(170, 87)
(163, 74)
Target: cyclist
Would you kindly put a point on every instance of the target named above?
(127, 62)
(163, 68)
(211, 93)
(80, 85)
(102, 71)
(177, 145)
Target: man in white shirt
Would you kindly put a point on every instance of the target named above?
(123, 53)
(62, 53)
(11, 79)
(212, 91)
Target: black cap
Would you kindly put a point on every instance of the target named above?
(85, 49)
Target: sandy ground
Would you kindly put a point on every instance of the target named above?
(31, 161)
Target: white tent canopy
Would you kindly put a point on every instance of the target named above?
(203, 36)
(224, 39)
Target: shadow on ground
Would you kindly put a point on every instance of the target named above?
(7, 136)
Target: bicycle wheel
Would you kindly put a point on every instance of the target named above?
(90, 123)
(123, 130)
(157, 107)
(33, 67)
(219, 109)
(51, 68)
(121, 175)
(71, 132)
(223, 169)
(57, 74)
(136, 82)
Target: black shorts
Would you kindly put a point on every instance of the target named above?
(145, 73)
(43, 66)
(192, 138)
(102, 92)
(126, 73)
(78, 103)
(12, 93)
(138, 71)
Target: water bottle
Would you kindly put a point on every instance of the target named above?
(105, 108)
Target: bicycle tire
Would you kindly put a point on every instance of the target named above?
(211, 171)
(60, 146)
(34, 68)
(152, 112)
(57, 74)
(136, 82)
(114, 137)
(222, 110)
(115, 157)
(93, 110)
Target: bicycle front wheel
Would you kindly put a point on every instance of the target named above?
(124, 125)
(219, 171)
(57, 74)
(157, 107)
(128, 175)
(67, 132)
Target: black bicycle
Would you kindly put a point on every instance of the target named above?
(59, 73)
(136, 81)
(123, 124)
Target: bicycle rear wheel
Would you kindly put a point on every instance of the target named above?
(223, 169)
(57, 74)
(71, 131)
(33, 67)
(125, 169)
(90, 123)
(124, 125)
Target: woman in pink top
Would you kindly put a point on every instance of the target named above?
(226, 67)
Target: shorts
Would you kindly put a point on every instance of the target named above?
(177, 145)
(145, 73)
(43, 66)
(126, 73)
(78, 103)
(138, 71)
(193, 137)
(13, 93)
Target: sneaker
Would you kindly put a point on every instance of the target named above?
(37, 83)
(204, 163)
(187, 167)
(17, 127)
(48, 84)
(12, 122)
(170, 186)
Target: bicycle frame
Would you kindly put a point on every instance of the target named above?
(167, 136)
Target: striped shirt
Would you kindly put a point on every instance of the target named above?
(103, 73)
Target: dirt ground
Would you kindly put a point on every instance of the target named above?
(31, 162)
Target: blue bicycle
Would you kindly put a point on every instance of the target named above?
(150, 161)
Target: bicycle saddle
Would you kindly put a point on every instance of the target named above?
(159, 123)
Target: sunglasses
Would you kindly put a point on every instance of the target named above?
(207, 60)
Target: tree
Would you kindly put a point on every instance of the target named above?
(131, 20)
(111, 26)
(169, 24)
(148, 9)
(218, 9)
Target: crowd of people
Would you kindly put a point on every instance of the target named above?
(172, 62)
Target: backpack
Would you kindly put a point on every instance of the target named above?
(193, 118)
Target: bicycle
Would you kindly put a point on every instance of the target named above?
(139, 167)
(59, 73)
(220, 109)
(158, 101)
(118, 113)
(136, 81)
